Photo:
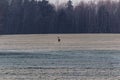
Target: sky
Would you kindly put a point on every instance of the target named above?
(74, 1)
(63, 1)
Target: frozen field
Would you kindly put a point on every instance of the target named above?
(76, 57)
(61, 65)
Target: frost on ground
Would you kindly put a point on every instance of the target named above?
(76, 57)
(60, 74)
(61, 65)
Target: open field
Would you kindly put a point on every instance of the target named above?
(61, 65)
(76, 57)
(48, 42)
(59, 74)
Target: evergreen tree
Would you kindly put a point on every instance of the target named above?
(103, 19)
(14, 17)
(116, 27)
(70, 18)
(91, 20)
(47, 17)
(61, 26)
(29, 13)
(80, 17)
(3, 14)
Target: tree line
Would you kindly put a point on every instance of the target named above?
(41, 17)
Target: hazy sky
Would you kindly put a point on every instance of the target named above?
(63, 1)
(74, 1)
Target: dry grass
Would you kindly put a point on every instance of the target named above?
(46, 42)
(38, 42)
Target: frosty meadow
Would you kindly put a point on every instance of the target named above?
(75, 57)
